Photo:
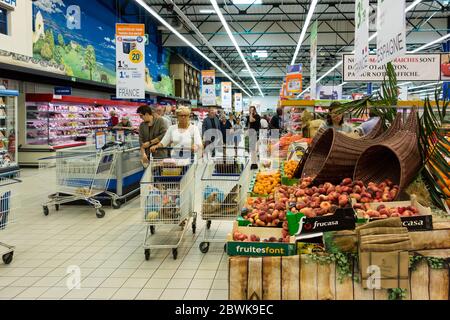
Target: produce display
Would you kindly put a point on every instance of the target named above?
(266, 182)
(290, 167)
(237, 236)
(364, 210)
(285, 141)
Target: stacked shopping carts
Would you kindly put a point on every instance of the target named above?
(6, 215)
(83, 174)
(223, 185)
(167, 195)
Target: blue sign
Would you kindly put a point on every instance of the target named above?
(295, 68)
(11, 3)
(63, 91)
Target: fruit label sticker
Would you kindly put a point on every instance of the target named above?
(130, 61)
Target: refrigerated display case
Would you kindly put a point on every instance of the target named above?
(56, 122)
(8, 132)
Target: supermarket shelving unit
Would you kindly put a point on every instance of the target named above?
(8, 132)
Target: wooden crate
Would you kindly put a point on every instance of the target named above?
(295, 278)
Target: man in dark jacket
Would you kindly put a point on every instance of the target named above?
(275, 122)
(211, 122)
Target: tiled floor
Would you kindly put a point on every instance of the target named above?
(107, 252)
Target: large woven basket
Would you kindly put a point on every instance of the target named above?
(333, 156)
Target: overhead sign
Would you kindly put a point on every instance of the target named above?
(361, 35)
(294, 79)
(391, 28)
(313, 56)
(10, 4)
(330, 92)
(208, 88)
(238, 102)
(62, 91)
(130, 61)
(226, 95)
(294, 69)
(411, 67)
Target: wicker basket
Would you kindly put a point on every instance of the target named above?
(333, 155)
(399, 156)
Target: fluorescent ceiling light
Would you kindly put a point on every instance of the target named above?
(305, 27)
(425, 85)
(182, 38)
(340, 85)
(404, 83)
(431, 43)
(230, 34)
(238, 2)
(425, 90)
(207, 11)
(412, 5)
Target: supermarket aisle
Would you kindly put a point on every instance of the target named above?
(108, 252)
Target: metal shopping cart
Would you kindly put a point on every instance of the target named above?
(223, 184)
(84, 174)
(167, 199)
(6, 215)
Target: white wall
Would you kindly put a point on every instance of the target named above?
(264, 103)
(20, 37)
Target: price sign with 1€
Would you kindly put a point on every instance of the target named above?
(130, 62)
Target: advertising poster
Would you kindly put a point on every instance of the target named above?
(445, 67)
(294, 79)
(208, 88)
(329, 92)
(238, 106)
(313, 53)
(226, 95)
(410, 67)
(100, 139)
(391, 28)
(130, 61)
(361, 36)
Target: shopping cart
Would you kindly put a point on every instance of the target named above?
(223, 184)
(83, 174)
(167, 199)
(6, 215)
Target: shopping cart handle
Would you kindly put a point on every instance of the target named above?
(111, 144)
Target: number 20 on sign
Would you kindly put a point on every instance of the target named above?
(136, 56)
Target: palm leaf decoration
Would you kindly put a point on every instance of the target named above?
(433, 144)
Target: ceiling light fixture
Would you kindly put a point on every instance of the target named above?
(305, 27)
(242, 2)
(236, 45)
(425, 85)
(431, 43)
(208, 11)
(182, 38)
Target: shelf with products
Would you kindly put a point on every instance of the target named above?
(8, 131)
(57, 122)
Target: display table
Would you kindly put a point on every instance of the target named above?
(300, 278)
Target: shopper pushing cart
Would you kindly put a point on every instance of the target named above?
(223, 185)
(167, 199)
(84, 174)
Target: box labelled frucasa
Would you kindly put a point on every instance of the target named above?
(342, 219)
(254, 248)
(421, 222)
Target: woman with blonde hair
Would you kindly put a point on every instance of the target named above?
(182, 135)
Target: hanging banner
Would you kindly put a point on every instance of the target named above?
(391, 28)
(226, 95)
(411, 67)
(361, 36)
(130, 61)
(329, 92)
(313, 57)
(208, 87)
(294, 79)
(238, 102)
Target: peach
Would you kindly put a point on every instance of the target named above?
(357, 189)
(306, 211)
(318, 211)
(322, 190)
(393, 193)
(327, 186)
(323, 197)
(365, 200)
(355, 196)
(386, 197)
(300, 193)
(338, 189)
(343, 200)
(346, 181)
(300, 205)
(358, 206)
(384, 216)
(325, 205)
(373, 213)
(407, 213)
(359, 183)
(384, 211)
(331, 189)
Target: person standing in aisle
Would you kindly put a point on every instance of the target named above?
(336, 121)
(125, 125)
(209, 128)
(237, 134)
(113, 121)
(275, 122)
(151, 131)
(254, 125)
(161, 112)
(225, 127)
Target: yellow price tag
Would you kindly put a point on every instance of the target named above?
(136, 56)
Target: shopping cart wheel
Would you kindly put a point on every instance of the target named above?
(152, 229)
(204, 247)
(57, 207)
(45, 208)
(116, 204)
(147, 254)
(208, 224)
(175, 253)
(100, 213)
(7, 257)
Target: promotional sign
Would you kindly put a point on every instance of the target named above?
(410, 67)
(62, 91)
(313, 56)
(361, 35)
(226, 95)
(294, 79)
(100, 139)
(445, 66)
(120, 135)
(238, 106)
(391, 28)
(208, 88)
(9, 4)
(130, 61)
(329, 92)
